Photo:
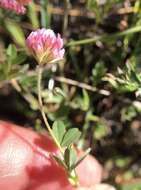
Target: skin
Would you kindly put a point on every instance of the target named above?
(26, 164)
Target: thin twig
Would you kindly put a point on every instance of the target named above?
(81, 85)
(81, 13)
(67, 81)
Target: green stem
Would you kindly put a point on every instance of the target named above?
(132, 30)
(66, 15)
(73, 178)
(42, 110)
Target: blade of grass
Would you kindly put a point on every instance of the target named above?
(45, 17)
(32, 14)
(105, 37)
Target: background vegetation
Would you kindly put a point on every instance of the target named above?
(97, 87)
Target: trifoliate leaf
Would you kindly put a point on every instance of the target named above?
(81, 159)
(70, 157)
(71, 136)
(58, 130)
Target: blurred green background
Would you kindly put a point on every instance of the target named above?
(97, 87)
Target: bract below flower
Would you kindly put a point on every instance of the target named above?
(45, 46)
(14, 5)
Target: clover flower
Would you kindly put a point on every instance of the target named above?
(45, 46)
(14, 5)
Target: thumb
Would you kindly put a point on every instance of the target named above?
(26, 164)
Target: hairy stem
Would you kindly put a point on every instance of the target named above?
(72, 178)
(42, 110)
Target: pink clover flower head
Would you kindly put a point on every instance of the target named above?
(45, 46)
(14, 5)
